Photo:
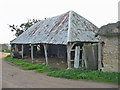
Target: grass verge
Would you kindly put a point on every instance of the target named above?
(4, 51)
(81, 73)
(76, 74)
(24, 64)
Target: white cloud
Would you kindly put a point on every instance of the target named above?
(99, 12)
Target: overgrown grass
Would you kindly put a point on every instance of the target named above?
(81, 73)
(24, 64)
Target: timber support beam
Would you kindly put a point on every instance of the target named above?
(22, 51)
(11, 53)
(32, 57)
(46, 53)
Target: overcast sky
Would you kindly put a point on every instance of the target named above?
(99, 12)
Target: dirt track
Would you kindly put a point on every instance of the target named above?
(13, 77)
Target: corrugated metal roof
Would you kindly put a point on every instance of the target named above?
(81, 29)
(61, 29)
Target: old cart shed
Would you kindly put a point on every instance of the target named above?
(61, 34)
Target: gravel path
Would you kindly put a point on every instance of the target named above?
(13, 77)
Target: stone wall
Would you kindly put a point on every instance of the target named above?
(110, 53)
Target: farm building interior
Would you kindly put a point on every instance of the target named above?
(56, 53)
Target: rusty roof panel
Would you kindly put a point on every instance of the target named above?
(52, 30)
(61, 29)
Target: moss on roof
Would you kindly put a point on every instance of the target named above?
(111, 29)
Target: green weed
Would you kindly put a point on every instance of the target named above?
(82, 73)
(24, 64)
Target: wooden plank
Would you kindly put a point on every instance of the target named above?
(72, 50)
(77, 56)
(22, 51)
(73, 60)
(46, 56)
(99, 56)
(32, 53)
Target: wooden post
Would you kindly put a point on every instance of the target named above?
(46, 56)
(15, 47)
(93, 53)
(85, 59)
(22, 51)
(11, 53)
(32, 53)
(77, 56)
(68, 56)
(58, 52)
(82, 58)
(99, 56)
